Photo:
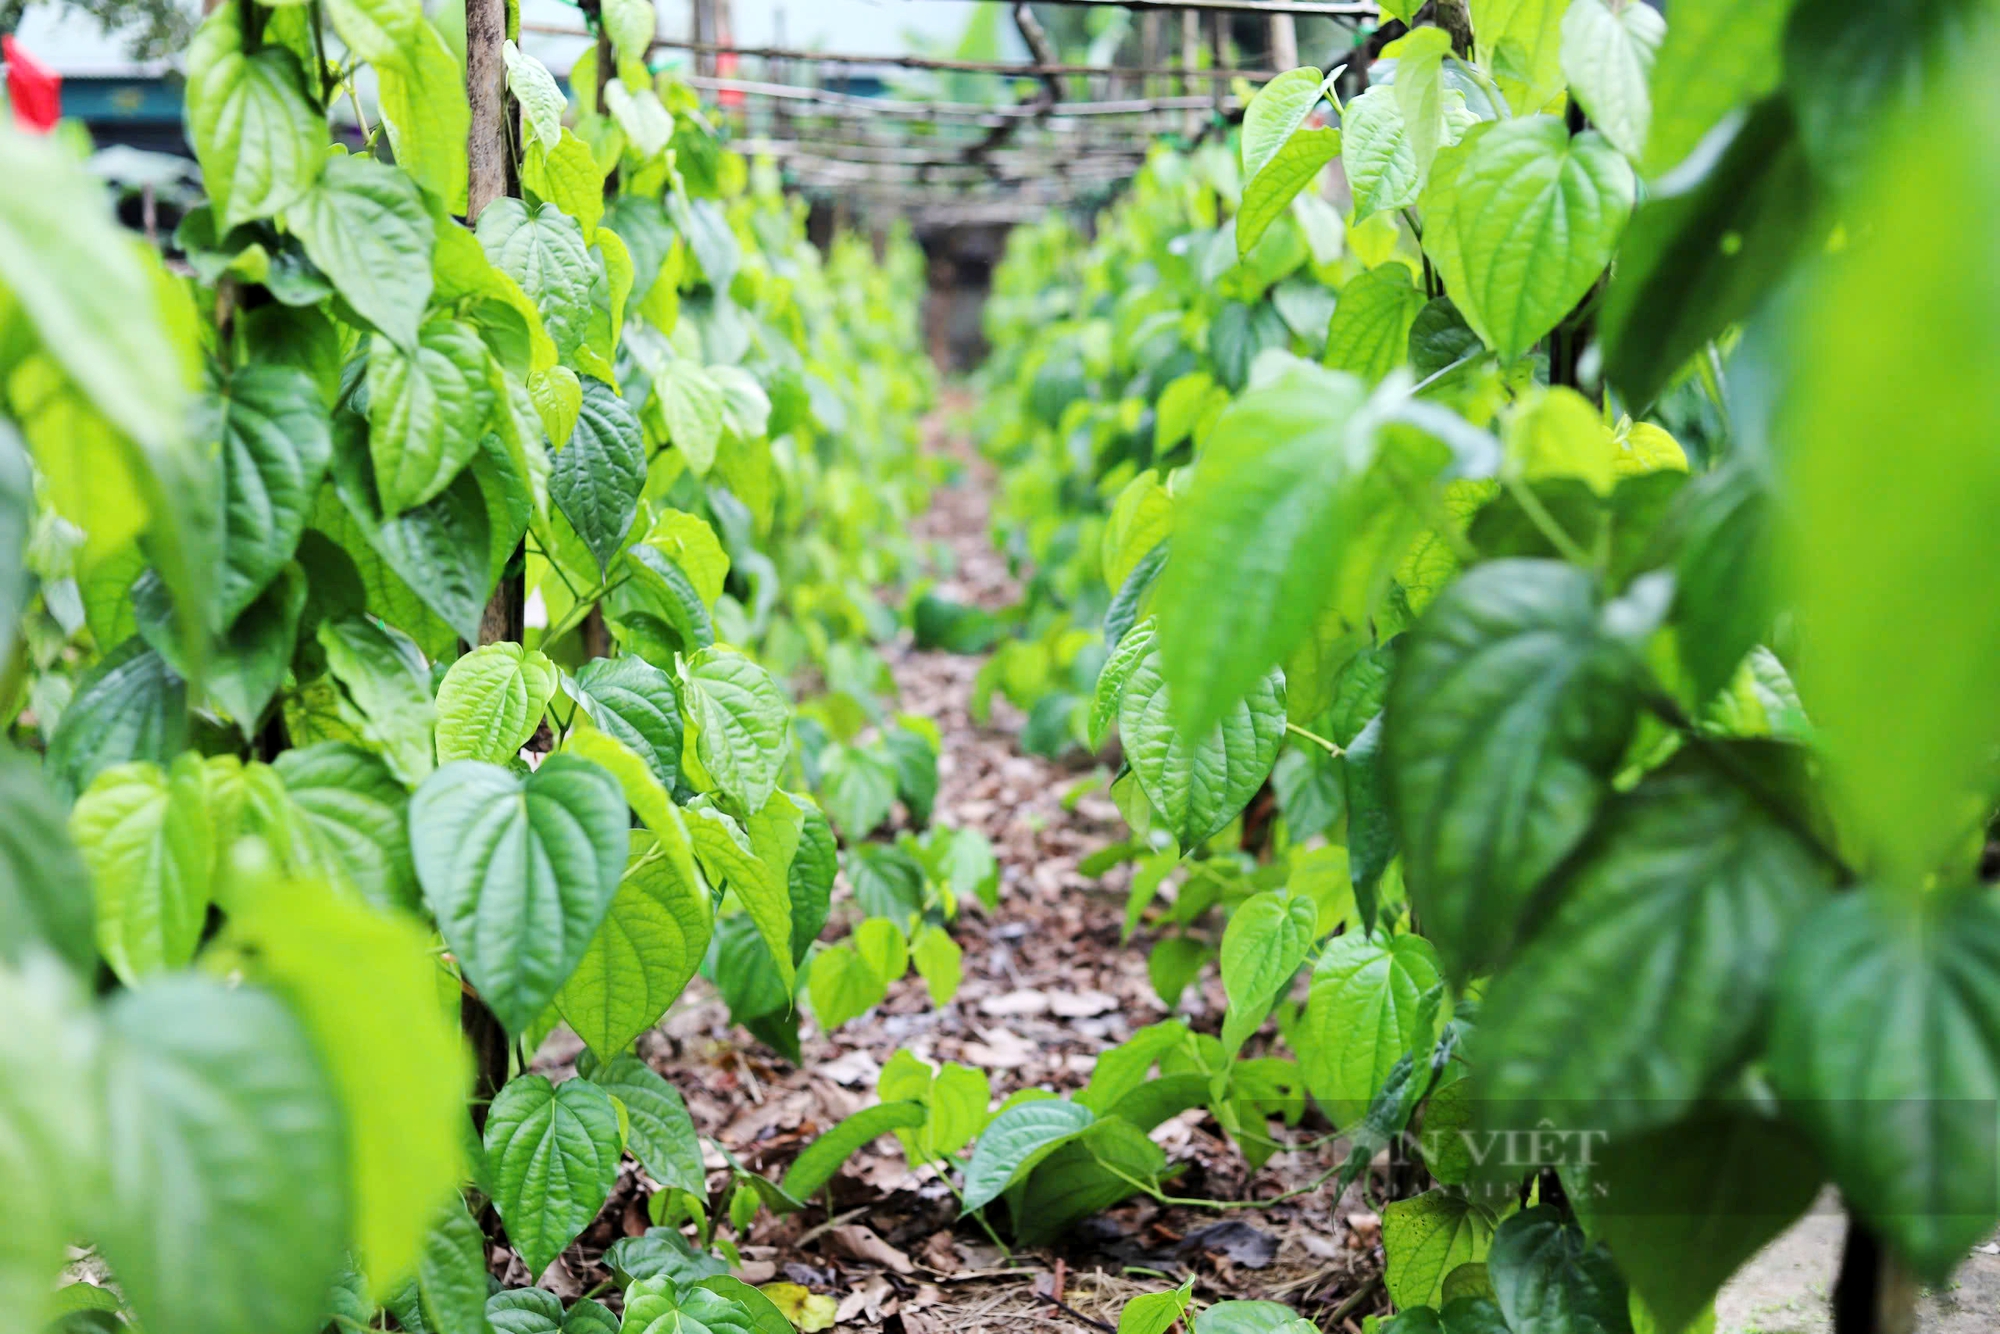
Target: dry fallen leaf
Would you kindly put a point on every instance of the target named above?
(856, 1242)
(1081, 1004)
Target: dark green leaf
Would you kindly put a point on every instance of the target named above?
(597, 476)
(551, 1155)
(45, 893)
(822, 1158)
(662, 1136)
(1548, 1279)
(130, 706)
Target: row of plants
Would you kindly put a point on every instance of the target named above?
(408, 579)
(1535, 600)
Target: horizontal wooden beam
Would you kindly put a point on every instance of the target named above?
(1297, 8)
(1018, 71)
(975, 111)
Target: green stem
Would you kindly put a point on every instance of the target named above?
(580, 609)
(1314, 737)
(1546, 524)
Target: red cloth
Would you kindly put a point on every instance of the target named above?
(34, 90)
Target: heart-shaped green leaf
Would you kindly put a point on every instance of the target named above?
(551, 1156)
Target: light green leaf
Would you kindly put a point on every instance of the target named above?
(364, 985)
(1607, 56)
(1376, 153)
(427, 412)
(740, 723)
(1420, 93)
(1427, 1237)
(490, 702)
(542, 102)
(1681, 907)
(1180, 408)
(520, 872)
(821, 1159)
(1131, 650)
(145, 836)
(1248, 1318)
(1018, 1139)
(226, 1203)
(1259, 539)
(569, 177)
(53, 1138)
(352, 825)
(259, 140)
(1491, 201)
(647, 125)
(663, 1137)
(1361, 1016)
(1883, 1046)
(89, 293)
(1559, 433)
(1155, 1312)
(650, 944)
(45, 895)
(544, 250)
(551, 1156)
(1510, 708)
(1262, 947)
(938, 960)
(731, 857)
(365, 225)
(1199, 786)
(631, 25)
(857, 787)
(1520, 43)
(1278, 109)
(1369, 334)
(599, 474)
(451, 1272)
(690, 402)
(842, 985)
(688, 541)
(1718, 55)
(1296, 165)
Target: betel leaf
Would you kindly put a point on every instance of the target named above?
(1519, 41)
(662, 1136)
(634, 701)
(852, 977)
(597, 477)
(857, 786)
(1155, 1312)
(519, 871)
(690, 403)
(1369, 334)
(1258, 541)
(551, 1156)
(1247, 1317)
(526, 1310)
(1427, 1237)
(809, 879)
(491, 701)
(939, 961)
(275, 446)
(1362, 1014)
(647, 124)
(1132, 648)
(1275, 113)
(1722, 578)
(542, 101)
(257, 136)
(87, 291)
(364, 984)
(250, 662)
(45, 895)
(451, 1272)
(1681, 904)
(433, 557)
(729, 857)
(1907, 734)
(1198, 786)
(1108, 1162)
(822, 1158)
(1548, 1278)
(426, 411)
(425, 110)
(1262, 947)
(650, 943)
(1699, 258)
(146, 838)
(1679, 1235)
(1271, 191)
(225, 1206)
(53, 1127)
(670, 596)
(543, 249)
(1718, 55)
(387, 691)
(1015, 1141)
(1511, 706)
(1884, 1047)
(739, 717)
(365, 225)
(1607, 56)
(1375, 152)
(1491, 201)
(129, 706)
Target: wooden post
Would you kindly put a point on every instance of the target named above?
(1284, 42)
(1190, 57)
(1218, 38)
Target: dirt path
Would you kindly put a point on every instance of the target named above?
(1047, 987)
